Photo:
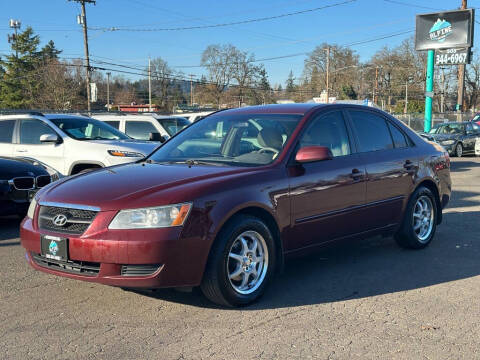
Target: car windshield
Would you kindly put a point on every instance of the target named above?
(448, 129)
(173, 125)
(236, 140)
(88, 129)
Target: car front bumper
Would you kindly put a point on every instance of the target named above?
(117, 257)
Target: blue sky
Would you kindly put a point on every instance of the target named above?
(343, 24)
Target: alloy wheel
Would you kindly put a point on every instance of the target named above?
(247, 262)
(459, 150)
(423, 218)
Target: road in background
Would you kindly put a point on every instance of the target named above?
(366, 299)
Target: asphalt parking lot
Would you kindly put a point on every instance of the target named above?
(367, 299)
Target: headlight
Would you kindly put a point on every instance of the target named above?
(31, 209)
(447, 142)
(155, 217)
(122, 153)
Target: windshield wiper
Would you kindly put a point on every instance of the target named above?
(191, 162)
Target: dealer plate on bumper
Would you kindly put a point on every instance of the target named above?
(54, 247)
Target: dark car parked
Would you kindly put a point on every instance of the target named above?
(19, 181)
(458, 138)
(221, 204)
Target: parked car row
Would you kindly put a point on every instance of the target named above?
(458, 138)
(145, 126)
(224, 202)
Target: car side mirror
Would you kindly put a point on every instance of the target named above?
(49, 138)
(313, 153)
(155, 136)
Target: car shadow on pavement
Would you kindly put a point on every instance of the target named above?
(365, 268)
(463, 165)
(9, 228)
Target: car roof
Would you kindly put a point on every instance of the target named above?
(293, 108)
(65, 116)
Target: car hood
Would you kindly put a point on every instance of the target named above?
(442, 137)
(145, 147)
(136, 185)
(10, 168)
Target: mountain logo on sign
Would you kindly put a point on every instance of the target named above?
(440, 30)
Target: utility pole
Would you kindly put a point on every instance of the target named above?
(82, 19)
(406, 97)
(149, 85)
(108, 91)
(328, 70)
(375, 94)
(15, 25)
(461, 80)
(191, 89)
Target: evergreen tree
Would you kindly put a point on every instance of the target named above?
(19, 81)
(290, 85)
(49, 51)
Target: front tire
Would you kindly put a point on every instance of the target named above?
(420, 220)
(241, 263)
(459, 150)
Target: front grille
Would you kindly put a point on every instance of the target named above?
(139, 270)
(77, 220)
(70, 266)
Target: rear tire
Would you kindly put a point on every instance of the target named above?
(420, 220)
(241, 263)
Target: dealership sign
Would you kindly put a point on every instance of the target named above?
(449, 29)
(452, 56)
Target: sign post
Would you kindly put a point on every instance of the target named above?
(429, 89)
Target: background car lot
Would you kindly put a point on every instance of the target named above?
(364, 299)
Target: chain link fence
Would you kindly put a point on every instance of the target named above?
(416, 121)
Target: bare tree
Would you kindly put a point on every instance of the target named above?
(58, 88)
(219, 61)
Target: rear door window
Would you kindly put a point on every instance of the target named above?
(6, 131)
(139, 129)
(31, 130)
(372, 131)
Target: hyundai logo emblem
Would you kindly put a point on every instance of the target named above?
(60, 220)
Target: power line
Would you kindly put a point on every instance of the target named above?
(305, 53)
(224, 24)
(409, 4)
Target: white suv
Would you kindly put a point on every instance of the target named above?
(70, 144)
(145, 126)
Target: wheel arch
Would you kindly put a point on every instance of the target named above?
(82, 165)
(432, 186)
(268, 218)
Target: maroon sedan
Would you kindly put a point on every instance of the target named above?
(225, 201)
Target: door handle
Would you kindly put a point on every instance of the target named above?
(22, 150)
(356, 174)
(409, 165)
